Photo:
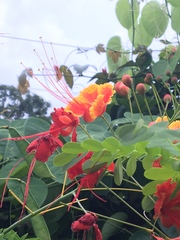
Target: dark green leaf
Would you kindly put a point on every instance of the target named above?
(118, 172)
(112, 227)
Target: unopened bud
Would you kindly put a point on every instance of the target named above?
(127, 80)
(168, 73)
(141, 89)
(167, 98)
(159, 78)
(174, 80)
(121, 89)
(148, 79)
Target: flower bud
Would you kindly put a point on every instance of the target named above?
(168, 73)
(159, 78)
(167, 98)
(127, 80)
(148, 79)
(121, 89)
(141, 89)
(174, 80)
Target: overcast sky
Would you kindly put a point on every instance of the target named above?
(83, 23)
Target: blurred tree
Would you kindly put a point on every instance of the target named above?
(13, 105)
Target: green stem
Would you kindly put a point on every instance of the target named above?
(157, 101)
(80, 125)
(109, 126)
(147, 105)
(131, 109)
(134, 210)
(26, 218)
(165, 110)
(134, 94)
(113, 219)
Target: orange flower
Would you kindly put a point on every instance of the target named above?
(162, 119)
(174, 125)
(91, 102)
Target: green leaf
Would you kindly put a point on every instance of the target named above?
(129, 134)
(127, 13)
(118, 172)
(140, 235)
(68, 76)
(159, 173)
(147, 204)
(154, 18)
(114, 44)
(139, 36)
(38, 222)
(90, 167)
(111, 144)
(103, 156)
(131, 165)
(175, 12)
(63, 158)
(73, 148)
(112, 227)
(174, 3)
(159, 69)
(150, 188)
(92, 145)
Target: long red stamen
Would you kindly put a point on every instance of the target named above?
(31, 167)
(5, 186)
(27, 137)
(63, 93)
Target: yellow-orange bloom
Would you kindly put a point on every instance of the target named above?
(161, 119)
(174, 125)
(91, 102)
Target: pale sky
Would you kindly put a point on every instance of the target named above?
(83, 23)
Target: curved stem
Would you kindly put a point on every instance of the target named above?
(81, 126)
(157, 100)
(134, 94)
(109, 126)
(130, 106)
(147, 105)
(26, 218)
(134, 210)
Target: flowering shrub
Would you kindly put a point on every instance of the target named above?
(107, 166)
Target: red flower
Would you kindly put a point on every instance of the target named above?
(167, 208)
(65, 123)
(76, 169)
(156, 163)
(43, 147)
(159, 238)
(90, 179)
(86, 223)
